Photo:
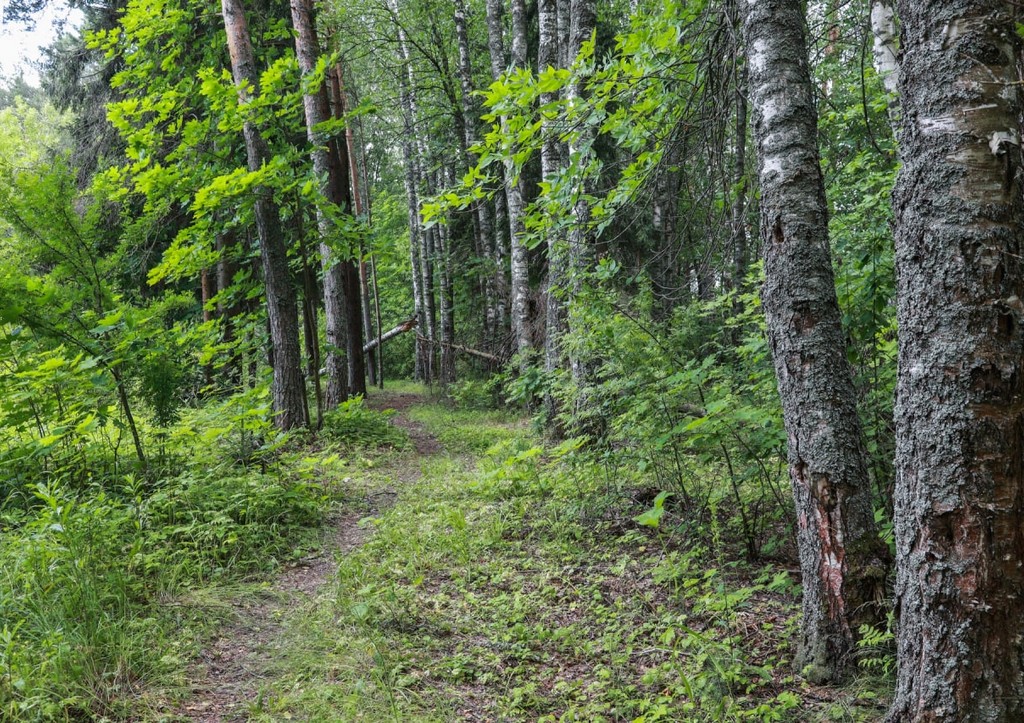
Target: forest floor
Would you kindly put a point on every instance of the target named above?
(476, 575)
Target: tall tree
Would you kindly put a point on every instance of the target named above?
(288, 388)
(520, 271)
(581, 155)
(959, 215)
(484, 225)
(352, 295)
(550, 163)
(842, 559)
(317, 109)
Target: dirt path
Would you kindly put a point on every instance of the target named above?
(225, 680)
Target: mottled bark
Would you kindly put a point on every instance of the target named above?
(317, 110)
(883, 30)
(959, 503)
(563, 23)
(550, 163)
(447, 304)
(288, 391)
(843, 561)
(495, 46)
(520, 269)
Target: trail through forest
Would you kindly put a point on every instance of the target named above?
(224, 684)
(475, 575)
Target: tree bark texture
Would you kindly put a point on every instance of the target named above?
(959, 503)
(364, 281)
(520, 267)
(548, 56)
(447, 298)
(317, 109)
(883, 31)
(496, 50)
(843, 562)
(411, 181)
(288, 390)
(351, 291)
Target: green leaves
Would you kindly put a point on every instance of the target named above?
(652, 517)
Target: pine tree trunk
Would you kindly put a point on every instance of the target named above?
(842, 559)
(959, 503)
(288, 390)
(310, 328)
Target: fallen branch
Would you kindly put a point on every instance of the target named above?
(464, 349)
(400, 329)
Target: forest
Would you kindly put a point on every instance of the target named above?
(513, 360)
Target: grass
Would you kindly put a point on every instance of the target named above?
(500, 578)
(509, 581)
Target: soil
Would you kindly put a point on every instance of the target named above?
(225, 680)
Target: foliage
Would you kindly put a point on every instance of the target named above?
(354, 425)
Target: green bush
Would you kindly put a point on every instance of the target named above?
(352, 424)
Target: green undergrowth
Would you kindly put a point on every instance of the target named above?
(516, 580)
(108, 584)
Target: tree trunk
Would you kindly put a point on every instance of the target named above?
(581, 236)
(495, 46)
(550, 164)
(843, 561)
(318, 112)
(520, 271)
(740, 253)
(351, 289)
(447, 298)
(364, 283)
(207, 288)
(483, 226)
(959, 502)
(310, 299)
(883, 30)
(417, 235)
(288, 389)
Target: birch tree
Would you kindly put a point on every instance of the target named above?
(959, 502)
(513, 188)
(842, 559)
